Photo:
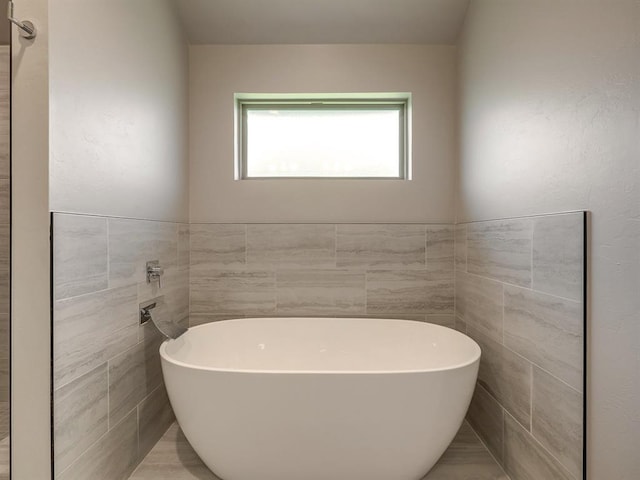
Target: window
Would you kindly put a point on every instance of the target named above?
(322, 137)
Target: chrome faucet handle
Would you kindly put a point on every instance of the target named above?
(154, 272)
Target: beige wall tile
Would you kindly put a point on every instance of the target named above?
(461, 247)
(558, 255)
(90, 329)
(501, 250)
(381, 246)
(440, 294)
(114, 456)
(557, 420)
(184, 246)
(505, 375)
(134, 374)
(320, 292)
(479, 301)
(440, 249)
(444, 320)
(201, 319)
(397, 292)
(134, 242)
(486, 416)
(80, 415)
(460, 325)
(155, 416)
(410, 291)
(79, 255)
(291, 246)
(524, 457)
(175, 289)
(218, 246)
(245, 293)
(547, 330)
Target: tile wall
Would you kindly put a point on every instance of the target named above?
(380, 270)
(110, 404)
(517, 290)
(520, 295)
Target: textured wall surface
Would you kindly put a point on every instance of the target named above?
(118, 109)
(5, 272)
(5, 233)
(219, 71)
(30, 249)
(550, 104)
(110, 404)
(402, 271)
(519, 294)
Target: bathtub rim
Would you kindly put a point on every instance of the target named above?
(457, 366)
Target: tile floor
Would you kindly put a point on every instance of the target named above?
(173, 459)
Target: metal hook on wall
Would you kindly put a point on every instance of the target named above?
(27, 28)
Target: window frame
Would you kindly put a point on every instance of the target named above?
(370, 101)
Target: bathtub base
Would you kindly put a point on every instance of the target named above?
(319, 427)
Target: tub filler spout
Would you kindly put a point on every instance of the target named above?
(158, 313)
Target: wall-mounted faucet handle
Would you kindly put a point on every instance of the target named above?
(154, 272)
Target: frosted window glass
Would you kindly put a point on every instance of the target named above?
(324, 142)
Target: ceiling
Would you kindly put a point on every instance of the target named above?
(322, 21)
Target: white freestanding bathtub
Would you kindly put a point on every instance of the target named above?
(320, 398)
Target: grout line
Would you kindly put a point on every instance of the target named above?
(504, 433)
(189, 277)
(335, 245)
(507, 284)
(533, 215)
(126, 285)
(466, 249)
(503, 316)
(246, 243)
(109, 397)
(68, 382)
(480, 439)
(80, 455)
(542, 447)
(426, 247)
(138, 433)
(533, 226)
(531, 398)
(95, 215)
(108, 254)
(542, 369)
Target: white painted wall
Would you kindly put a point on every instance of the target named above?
(30, 287)
(550, 121)
(217, 72)
(118, 109)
